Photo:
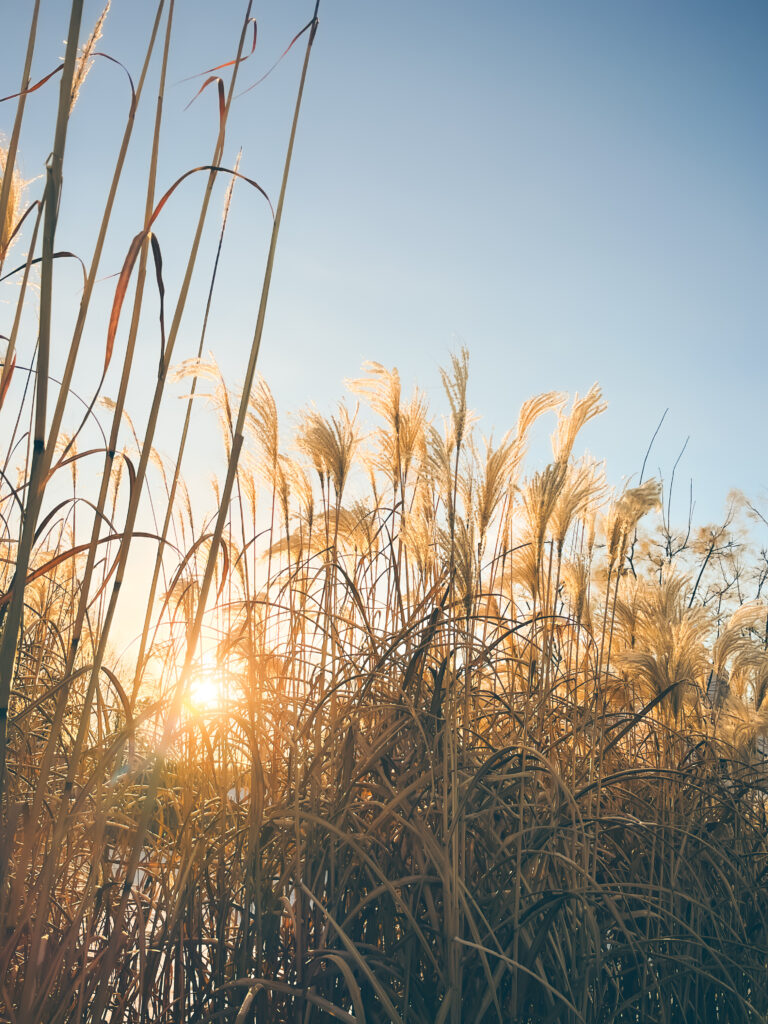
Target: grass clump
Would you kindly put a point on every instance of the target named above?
(458, 744)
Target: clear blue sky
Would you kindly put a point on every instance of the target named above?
(576, 191)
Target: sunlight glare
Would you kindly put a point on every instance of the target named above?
(207, 691)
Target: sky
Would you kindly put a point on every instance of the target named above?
(574, 191)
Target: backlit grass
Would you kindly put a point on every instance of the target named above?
(409, 732)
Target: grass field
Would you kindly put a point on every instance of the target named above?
(409, 732)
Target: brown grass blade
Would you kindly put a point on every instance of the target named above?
(33, 88)
(141, 237)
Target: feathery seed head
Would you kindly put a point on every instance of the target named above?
(582, 493)
(85, 58)
(494, 477)
(263, 425)
(402, 441)
(539, 499)
(569, 424)
(330, 443)
(625, 514)
(739, 645)
(455, 385)
(11, 217)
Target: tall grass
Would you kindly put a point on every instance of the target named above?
(411, 734)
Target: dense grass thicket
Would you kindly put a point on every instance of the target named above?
(409, 733)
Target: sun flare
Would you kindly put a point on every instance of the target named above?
(207, 691)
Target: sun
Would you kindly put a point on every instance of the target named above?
(207, 690)
(206, 693)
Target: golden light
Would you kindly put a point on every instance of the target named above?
(207, 689)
